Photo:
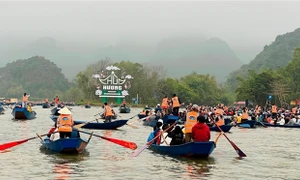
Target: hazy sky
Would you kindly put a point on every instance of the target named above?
(245, 26)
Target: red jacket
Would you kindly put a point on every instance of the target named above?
(200, 132)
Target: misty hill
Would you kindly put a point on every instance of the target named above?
(278, 54)
(37, 76)
(181, 56)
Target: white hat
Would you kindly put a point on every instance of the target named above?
(64, 110)
(195, 106)
(160, 120)
(158, 104)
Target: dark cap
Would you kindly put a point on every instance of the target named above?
(201, 119)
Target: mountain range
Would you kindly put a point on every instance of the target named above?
(178, 55)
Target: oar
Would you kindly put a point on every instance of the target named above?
(130, 124)
(143, 118)
(18, 142)
(152, 140)
(83, 124)
(262, 124)
(237, 150)
(217, 138)
(127, 144)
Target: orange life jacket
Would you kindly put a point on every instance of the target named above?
(294, 110)
(219, 111)
(245, 115)
(65, 123)
(220, 122)
(191, 120)
(164, 103)
(274, 109)
(175, 102)
(25, 98)
(108, 111)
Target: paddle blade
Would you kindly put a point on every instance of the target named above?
(238, 150)
(11, 144)
(127, 144)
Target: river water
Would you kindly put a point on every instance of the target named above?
(272, 153)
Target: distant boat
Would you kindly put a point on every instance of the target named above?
(1, 109)
(46, 105)
(87, 106)
(281, 126)
(124, 109)
(19, 112)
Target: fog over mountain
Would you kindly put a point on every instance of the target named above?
(75, 34)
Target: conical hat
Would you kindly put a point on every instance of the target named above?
(64, 110)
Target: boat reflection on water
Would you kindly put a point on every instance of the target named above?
(66, 166)
(197, 168)
(62, 171)
(110, 153)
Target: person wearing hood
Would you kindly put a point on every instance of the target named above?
(200, 131)
(177, 136)
(156, 131)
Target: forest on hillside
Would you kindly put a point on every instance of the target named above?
(37, 76)
(273, 56)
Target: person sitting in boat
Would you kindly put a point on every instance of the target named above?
(53, 134)
(281, 120)
(25, 100)
(298, 120)
(191, 120)
(274, 111)
(108, 114)
(56, 100)
(200, 131)
(245, 115)
(65, 123)
(165, 136)
(124, 103)
(219, 112)
(292, 121)
(177, 136)
(157, 109)
(156, 131)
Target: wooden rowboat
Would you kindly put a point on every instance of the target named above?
(66, 145)
(225, 128)
(191, 149)
(123, 109)
(19, 112)
(100, 125)
(250, 122)
(278, 125)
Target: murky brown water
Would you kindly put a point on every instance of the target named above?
(273, 153)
